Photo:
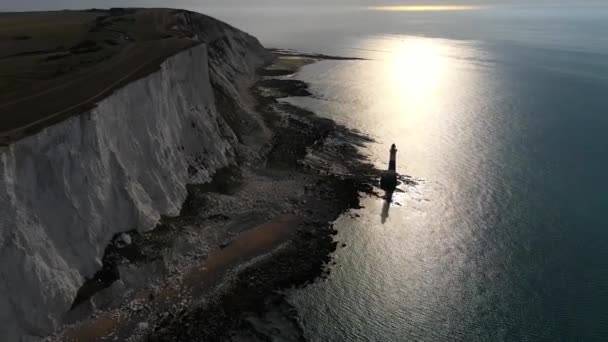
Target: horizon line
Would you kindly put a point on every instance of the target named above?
(423, 8)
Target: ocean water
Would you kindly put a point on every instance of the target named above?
(501, 114)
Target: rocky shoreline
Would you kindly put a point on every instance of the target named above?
(292, 188)
(248, 309)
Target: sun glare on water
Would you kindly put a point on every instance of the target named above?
(417, 70)
(424, 8)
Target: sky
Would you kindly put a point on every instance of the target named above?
(21, 5)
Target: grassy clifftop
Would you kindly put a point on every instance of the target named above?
(57, 64)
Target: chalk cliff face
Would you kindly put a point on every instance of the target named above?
(67, 190)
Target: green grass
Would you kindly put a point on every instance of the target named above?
(37, 89)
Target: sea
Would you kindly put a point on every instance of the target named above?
(499, 111)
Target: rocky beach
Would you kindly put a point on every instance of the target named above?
(171, 204)
(270, 218)
(169, 175)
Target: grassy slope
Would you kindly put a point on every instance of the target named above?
(56, 64)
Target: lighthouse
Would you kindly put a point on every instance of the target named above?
(392, 164)
(388, 182)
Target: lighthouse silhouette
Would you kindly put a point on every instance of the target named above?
(388, 181)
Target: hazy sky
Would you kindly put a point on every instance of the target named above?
(8, 5)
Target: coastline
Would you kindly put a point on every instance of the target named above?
(124, 165)
(277, 234)
(254, 307)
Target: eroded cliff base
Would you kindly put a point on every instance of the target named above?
(216, 271)
(69, 188)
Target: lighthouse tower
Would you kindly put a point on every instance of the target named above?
(392, 164)
(388, 182)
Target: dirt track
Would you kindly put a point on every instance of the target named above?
(56, 64)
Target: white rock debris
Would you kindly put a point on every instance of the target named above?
(66, 191)
(123, 240)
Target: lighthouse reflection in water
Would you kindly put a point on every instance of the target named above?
(401, 274)
(389, 182)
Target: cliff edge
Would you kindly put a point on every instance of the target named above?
(119, 154)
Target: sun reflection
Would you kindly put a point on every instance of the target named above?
(416, 68)
(423, 8)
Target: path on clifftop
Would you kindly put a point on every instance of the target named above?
(84, 56)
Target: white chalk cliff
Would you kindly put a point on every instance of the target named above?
(67, 190)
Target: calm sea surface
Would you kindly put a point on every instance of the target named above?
(501, 113)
